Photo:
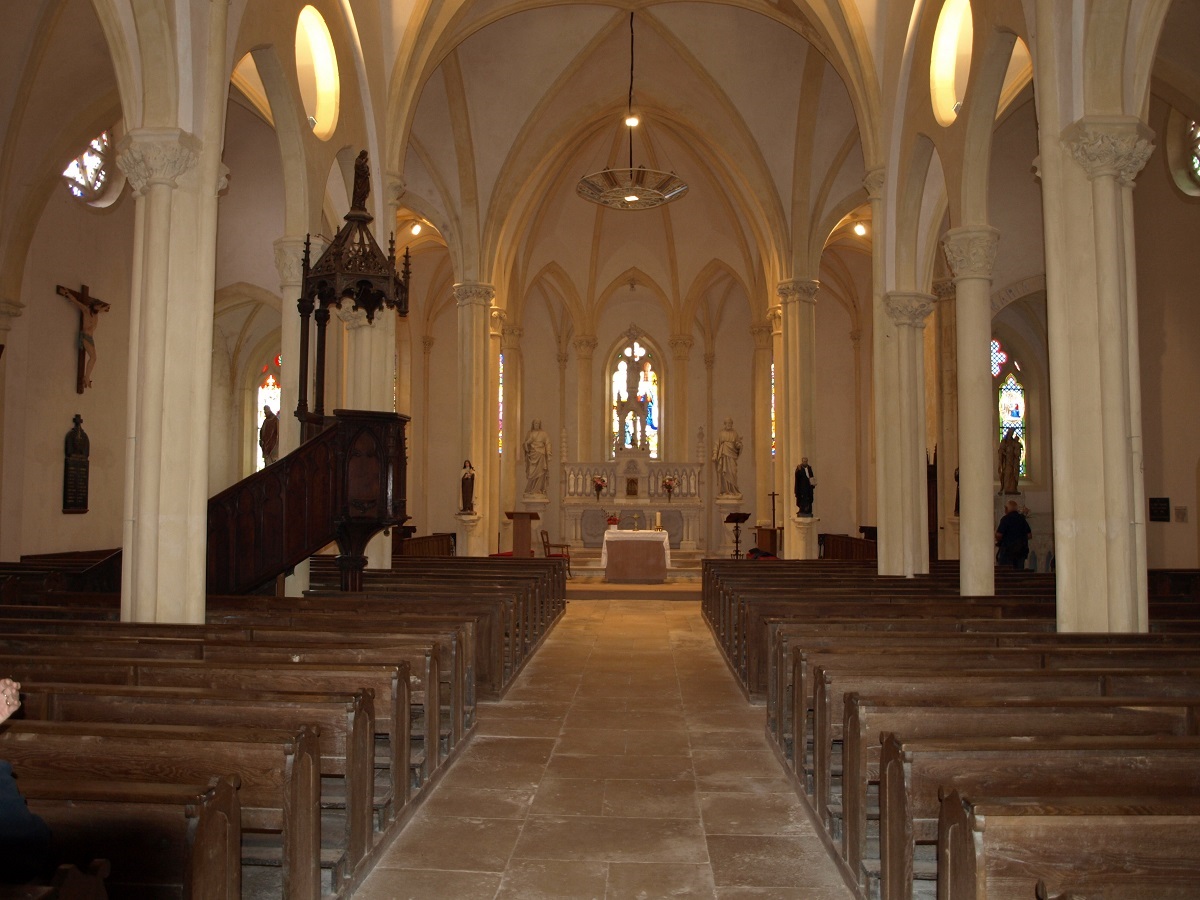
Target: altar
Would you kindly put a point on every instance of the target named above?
(635, 557)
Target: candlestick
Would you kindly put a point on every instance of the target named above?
(658, 520)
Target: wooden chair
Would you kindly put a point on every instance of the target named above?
(564, 548)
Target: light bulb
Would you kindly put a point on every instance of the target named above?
(416, 228)
(860, 229)
(631, 120)
(632, 198)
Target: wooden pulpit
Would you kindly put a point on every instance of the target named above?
(522, 532)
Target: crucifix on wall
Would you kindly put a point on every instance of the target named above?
(89, 315)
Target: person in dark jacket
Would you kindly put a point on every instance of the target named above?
(1012, 537)
(24, 837)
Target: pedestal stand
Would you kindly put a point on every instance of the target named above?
(805, 544)
(468, 532)
(522, 532)
(725, 506)
(736, 519)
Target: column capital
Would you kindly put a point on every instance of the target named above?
(427, 342)
(353, 319)
(762, 336)
(9, 310)
(710, 360)
(775, 320)
(800, 289)
(510, 337)
(563, 358)
(874, 181)
(856, 335)
(496, 319)
(971, 251)
(909, 307)
(1112, 146)
(289, 259)
(474, 293)
(681, 346)
(150, 156)
(585, 345)
(945, 289)
(395, 187)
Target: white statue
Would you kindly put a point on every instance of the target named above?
(537, 459)
(725, 455)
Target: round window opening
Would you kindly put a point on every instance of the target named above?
(317, 72)
(950, 62)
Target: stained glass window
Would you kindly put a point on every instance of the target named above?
(636, 399)
(87, 175)
(999, 358)
(772, 410)
(500, 430)
(1194, 151)
(269, 394)
(1011, 402)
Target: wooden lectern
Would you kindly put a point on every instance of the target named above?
(522, 532)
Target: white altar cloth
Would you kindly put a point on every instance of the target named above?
(660, 536)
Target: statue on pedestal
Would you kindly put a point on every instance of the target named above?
(537, 459)
(1010, 463)
(805, 482)
(725, 454)
(468, 488)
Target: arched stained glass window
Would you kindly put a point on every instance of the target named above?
(772, 410)
(1011, 401)
(636, 399)
(500, 433)
(269, 394)
(87, 175)
(1194, 151)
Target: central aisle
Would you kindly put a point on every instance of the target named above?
(624, 763)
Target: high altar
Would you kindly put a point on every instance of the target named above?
(633, 491)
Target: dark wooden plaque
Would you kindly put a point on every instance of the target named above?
(75, 469)
(1160, 509)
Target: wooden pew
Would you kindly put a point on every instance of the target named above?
(934, 715)
(158, 838)
(68, 883)
(913, 773)
(279, 772)
(1133, 847)
(345, 723)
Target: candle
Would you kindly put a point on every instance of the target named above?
(658, 520)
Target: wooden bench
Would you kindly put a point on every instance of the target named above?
(158, 838)
(1134, 847)
(279, 772)
(914, 773)
(68, 883)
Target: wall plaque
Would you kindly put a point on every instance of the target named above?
(1160, 509)
(75, 469)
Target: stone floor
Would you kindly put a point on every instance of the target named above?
(624, 763)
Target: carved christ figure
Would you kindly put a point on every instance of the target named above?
(89, 316)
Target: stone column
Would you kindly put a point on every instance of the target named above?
(907, 311)
(512, 476)
(764, 463)
(947, 451)
(474, 302)
(289, 263)
(585, 414)
(799, 302)
(418, 442)
(681, 351)
(1098, 467)
(971, 252)
(861, 432)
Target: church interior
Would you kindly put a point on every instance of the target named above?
(838, 280)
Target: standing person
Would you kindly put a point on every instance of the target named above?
(1012, 537)
(725, 455)
(537, 459)
(268, 436)
(805, 482)
(24, 837)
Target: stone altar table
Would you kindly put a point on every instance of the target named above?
(635, 557)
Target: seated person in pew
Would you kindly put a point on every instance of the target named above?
(24, 838)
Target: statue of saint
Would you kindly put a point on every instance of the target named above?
(805, 482)
(537, 459)
(1010, 463)
(725, 455)
(362, 182)
(468, 487)
(268, 436)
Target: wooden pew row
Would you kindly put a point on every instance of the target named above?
(345, 724)
(914, 774)
(158, 839)
(279, 792)
(420, 656)
(68, 883)
(1134, 848)
(852, 807)
(397, 762)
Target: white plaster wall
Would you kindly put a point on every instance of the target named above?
(733, 372)
(1015, 196)
(443, 441)
(539, 400)
(1167, 232)
(74, 244)
(833, 457)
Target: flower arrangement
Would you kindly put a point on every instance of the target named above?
(613, 518)
(599, 483)
(669, 483)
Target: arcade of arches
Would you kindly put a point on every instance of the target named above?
(878, 193)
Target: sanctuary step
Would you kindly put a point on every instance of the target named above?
(685, 565)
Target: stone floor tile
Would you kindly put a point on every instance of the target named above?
(612, 839)
(427, 884)
(450, 842)
(735, 813)
(675, 799)
(569, 797)
(553, 879)
(480, 803)
(640, 881)
(623, 766)
(765, 860)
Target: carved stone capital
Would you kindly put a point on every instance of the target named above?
(762, 336)
(681, 346)
(289, 261)
(353, 319)
(474, 293)
(710, 360)
(945, 289)
(856, 335)
(496, 319)
(585, 345)
(775, 320)
(1112, 146)
(798, 291)
(395, 187)
(150, 156)
(971, 252)
(222, 178)
(873, 183)
(563, 358)
(510, 337)
(908, 307)
(427, 342)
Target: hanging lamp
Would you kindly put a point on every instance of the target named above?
(631, 188)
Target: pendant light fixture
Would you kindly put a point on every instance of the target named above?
(631, 188)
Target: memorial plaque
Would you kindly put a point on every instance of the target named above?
(1160, 509)
(75, 469)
